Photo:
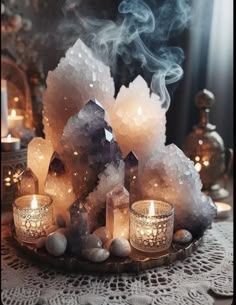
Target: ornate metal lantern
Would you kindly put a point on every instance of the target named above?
(206, 148)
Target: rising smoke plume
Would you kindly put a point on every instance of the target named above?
(141, 34)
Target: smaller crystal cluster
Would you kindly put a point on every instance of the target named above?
(138, 120)
(96, 200)
(171, 176)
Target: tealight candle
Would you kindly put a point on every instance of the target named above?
(15, 120)
(10, 144)
(151, 225)
(223, 209)
(33, 215)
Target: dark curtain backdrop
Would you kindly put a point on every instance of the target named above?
(198, 43)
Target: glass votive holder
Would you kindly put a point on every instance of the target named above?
(33, 215)
(151, 225)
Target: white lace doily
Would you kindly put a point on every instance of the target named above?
(186, 282)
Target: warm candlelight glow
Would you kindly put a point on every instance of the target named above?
(14, 120)
(13, 113)
(151, 209)
(139, 110)
(34, 203)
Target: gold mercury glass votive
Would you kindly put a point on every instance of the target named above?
(151, 225)
(33, 215)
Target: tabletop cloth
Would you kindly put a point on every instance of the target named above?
(188, 282)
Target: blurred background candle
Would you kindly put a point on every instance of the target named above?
(10, 144)
(151, 225)
(223, 209)
(33, 215)
(15, 120)
(4, 124)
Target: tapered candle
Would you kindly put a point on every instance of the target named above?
(4, 124)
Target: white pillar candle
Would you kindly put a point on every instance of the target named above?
(10, 144)
(4, 124)
(39, 156)
(15, 120)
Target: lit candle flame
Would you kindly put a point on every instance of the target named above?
(34, 203)
(13, 112)
(139, 110)
(151, 209)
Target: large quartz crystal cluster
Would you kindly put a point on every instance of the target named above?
(77, 78)
(88, 144)
(171, 176)
(78, 99)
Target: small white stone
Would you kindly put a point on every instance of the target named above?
(95, 255)
(41, 242)
(56, 244)
(120, 247)
(60, 221)
(103, 233)
(51, 229)
(182, 237)
(90, 241)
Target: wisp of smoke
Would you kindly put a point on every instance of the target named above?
(140, 34)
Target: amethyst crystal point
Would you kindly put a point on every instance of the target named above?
(88, 145)
(131, 176)
(56, 167)
(27, 183)
(78, 218)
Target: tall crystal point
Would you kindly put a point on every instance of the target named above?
(132, 176)
(78, 218)
(27, 183)
(59, 186)
(38, 157)
(117, 212)
(88, 145)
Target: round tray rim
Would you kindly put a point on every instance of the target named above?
(132, 264)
